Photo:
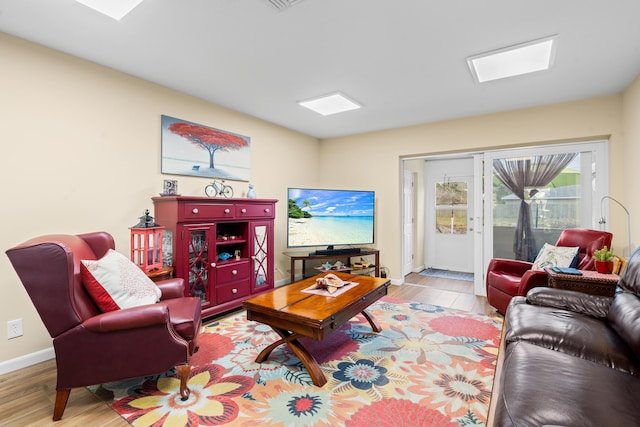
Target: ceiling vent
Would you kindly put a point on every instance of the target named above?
(283, 4)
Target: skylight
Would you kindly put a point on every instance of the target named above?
(537, 55)
(330, 104)
(115, 9)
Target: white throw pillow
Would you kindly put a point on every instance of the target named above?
(555, 256)
(114, 283)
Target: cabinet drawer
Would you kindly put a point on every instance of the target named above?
(232, 291)
(232, 272)
(254, 211)
(201, 211)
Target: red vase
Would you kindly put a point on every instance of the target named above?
(605, 267)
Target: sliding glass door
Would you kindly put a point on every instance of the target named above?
(531, 195)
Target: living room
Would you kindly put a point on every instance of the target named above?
(84, 153)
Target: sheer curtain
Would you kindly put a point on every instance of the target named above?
(518, 174)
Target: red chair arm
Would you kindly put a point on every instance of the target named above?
(509, 266)
(129, 318)
(533, 279)
(171, 288)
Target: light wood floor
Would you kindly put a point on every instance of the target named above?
(27, 395)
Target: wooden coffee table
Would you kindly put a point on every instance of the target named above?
(294, 314)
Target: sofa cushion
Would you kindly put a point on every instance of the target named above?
(556, 256)
(114, 282)
(575, 334)
(545, 387)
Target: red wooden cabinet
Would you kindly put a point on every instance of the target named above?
(222, 248)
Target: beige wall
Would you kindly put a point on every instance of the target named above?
(627, 164)
(81, 152)
(82, 147)
(373, 159)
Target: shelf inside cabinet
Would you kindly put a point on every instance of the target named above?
(230, 242)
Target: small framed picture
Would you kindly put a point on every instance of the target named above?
(170, 187)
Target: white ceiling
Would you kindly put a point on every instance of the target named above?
(405, 60)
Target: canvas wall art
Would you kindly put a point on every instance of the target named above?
(196, 150)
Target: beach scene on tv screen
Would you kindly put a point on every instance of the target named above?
(330, 217)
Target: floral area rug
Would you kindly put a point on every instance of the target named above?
(429, 366)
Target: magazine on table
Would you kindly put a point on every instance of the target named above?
(567, 270)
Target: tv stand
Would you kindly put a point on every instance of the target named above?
(351, 252)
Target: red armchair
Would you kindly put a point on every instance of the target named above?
(93, 347)
(507, 278)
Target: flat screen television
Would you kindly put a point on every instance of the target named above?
(320, 217)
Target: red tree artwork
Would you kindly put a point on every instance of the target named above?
(208, 139)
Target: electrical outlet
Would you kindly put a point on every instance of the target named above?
(14, 328)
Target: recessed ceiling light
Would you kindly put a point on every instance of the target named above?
(115, 9)
(537, 55)
(330, 104)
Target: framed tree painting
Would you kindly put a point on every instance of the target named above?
(196, 150)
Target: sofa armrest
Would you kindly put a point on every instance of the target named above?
(533, 279)
(128, 318)
(171, 288)
(509, 266)
(591, 305)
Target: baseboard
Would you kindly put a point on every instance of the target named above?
(26, 360)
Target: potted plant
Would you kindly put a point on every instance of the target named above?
(604, 260)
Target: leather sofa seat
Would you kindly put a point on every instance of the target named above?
(572, 359)
(567, 332)
(543, 387)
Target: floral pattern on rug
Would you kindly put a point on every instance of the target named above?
(429, 366)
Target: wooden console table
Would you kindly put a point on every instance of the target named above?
(590, 282)
(305, 256)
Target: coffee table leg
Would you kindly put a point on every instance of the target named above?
(372, 321)
(305, 357)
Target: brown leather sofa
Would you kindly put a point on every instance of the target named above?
(93, 347)
(572, 359)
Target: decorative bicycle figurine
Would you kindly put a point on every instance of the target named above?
(218, 188)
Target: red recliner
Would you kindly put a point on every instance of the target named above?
(507, 278)
(93, 347)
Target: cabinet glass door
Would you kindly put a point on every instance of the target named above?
(198, 247)
(260, 256)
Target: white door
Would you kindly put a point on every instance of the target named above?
(449, 208)
(407, 223)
